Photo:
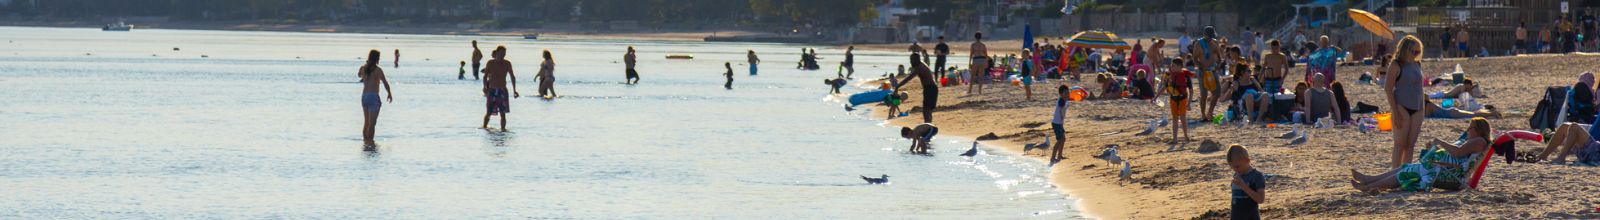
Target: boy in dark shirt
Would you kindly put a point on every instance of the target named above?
(1249, 186)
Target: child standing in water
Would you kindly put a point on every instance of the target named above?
(397, 58)
(728, 85)
(629, 60)
(461, 72)
(753, 61)
(371, 76)
(494, 87)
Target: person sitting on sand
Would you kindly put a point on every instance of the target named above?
(1571, 139)
(1110, 87)
(547, 76)
(930, 88)
(1142, 88)
(920, 136)
(1443, 162)
(371, 75)
(1057, 120)
(494, 87)
(1177, 85)
(1246, 91)
(1319, 102)
(1249, 186)
(1343, 102)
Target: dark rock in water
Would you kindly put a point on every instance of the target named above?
(1209, 146)
(989, 137)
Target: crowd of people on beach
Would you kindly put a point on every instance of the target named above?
(1247, 80)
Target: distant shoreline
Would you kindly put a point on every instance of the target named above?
(643, 35)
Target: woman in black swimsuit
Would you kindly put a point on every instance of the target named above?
(1403, 82)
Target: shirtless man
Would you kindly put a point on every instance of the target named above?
(753, 61)
(1153, 56)
(494, 87)
(930, 88)
(1275, 65)
(477, 55)
(371, 75)
(629, 60)
(980, 64)
(396, 58)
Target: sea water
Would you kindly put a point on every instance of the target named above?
(222, 124)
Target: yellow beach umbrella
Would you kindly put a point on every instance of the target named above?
(1372, 23)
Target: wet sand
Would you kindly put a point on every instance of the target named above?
(1312, 178)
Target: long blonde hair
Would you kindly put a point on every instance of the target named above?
(1479, 126)
(1405, 49)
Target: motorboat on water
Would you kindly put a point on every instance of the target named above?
(119, 26)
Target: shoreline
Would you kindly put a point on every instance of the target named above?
(639, 35)
(1311, 178)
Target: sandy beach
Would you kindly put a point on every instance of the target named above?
(1311, 179)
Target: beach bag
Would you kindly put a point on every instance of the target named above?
(1544, 113)
(1580, 108)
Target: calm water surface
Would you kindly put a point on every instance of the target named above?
(119, 125)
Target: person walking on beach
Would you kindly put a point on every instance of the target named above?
(753, 61)
(729, 74)
(940, 51)
(1522, 38)
(371, 76)
(547, 76)
(628, 60)
(1405, 96)
(396, 58)
(494, 87)
(477, 55)
(930, 89)
(1205, 56)
(1461, 42)
(1177, 85)
(849, 62)
(979, 67)
(1057, 119)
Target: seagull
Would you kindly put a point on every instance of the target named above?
(1291, 134)
(1152, 127)
(882, 180)
(1043, 145)
(1298, 141)
(974, 150)
(1127, 171)
(1110, 155)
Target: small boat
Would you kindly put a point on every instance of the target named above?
(530, 36)
(119, 26)
(680, 56)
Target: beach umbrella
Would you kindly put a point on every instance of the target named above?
(1027, 37)
(1097, 39)
(1372, 23)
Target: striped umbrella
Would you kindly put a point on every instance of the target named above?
(1097, 39)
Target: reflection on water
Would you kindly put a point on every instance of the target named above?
(261, 129)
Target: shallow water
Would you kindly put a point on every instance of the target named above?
(119, 125)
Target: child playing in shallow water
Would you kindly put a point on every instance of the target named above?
(920, 136)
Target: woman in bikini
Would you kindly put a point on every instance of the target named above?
(1405, 97)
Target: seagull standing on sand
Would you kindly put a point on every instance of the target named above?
(974, 150)
(881, 180)
(1127, 172)
(1110, 155)
(1042, 145)
(1151, 129)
